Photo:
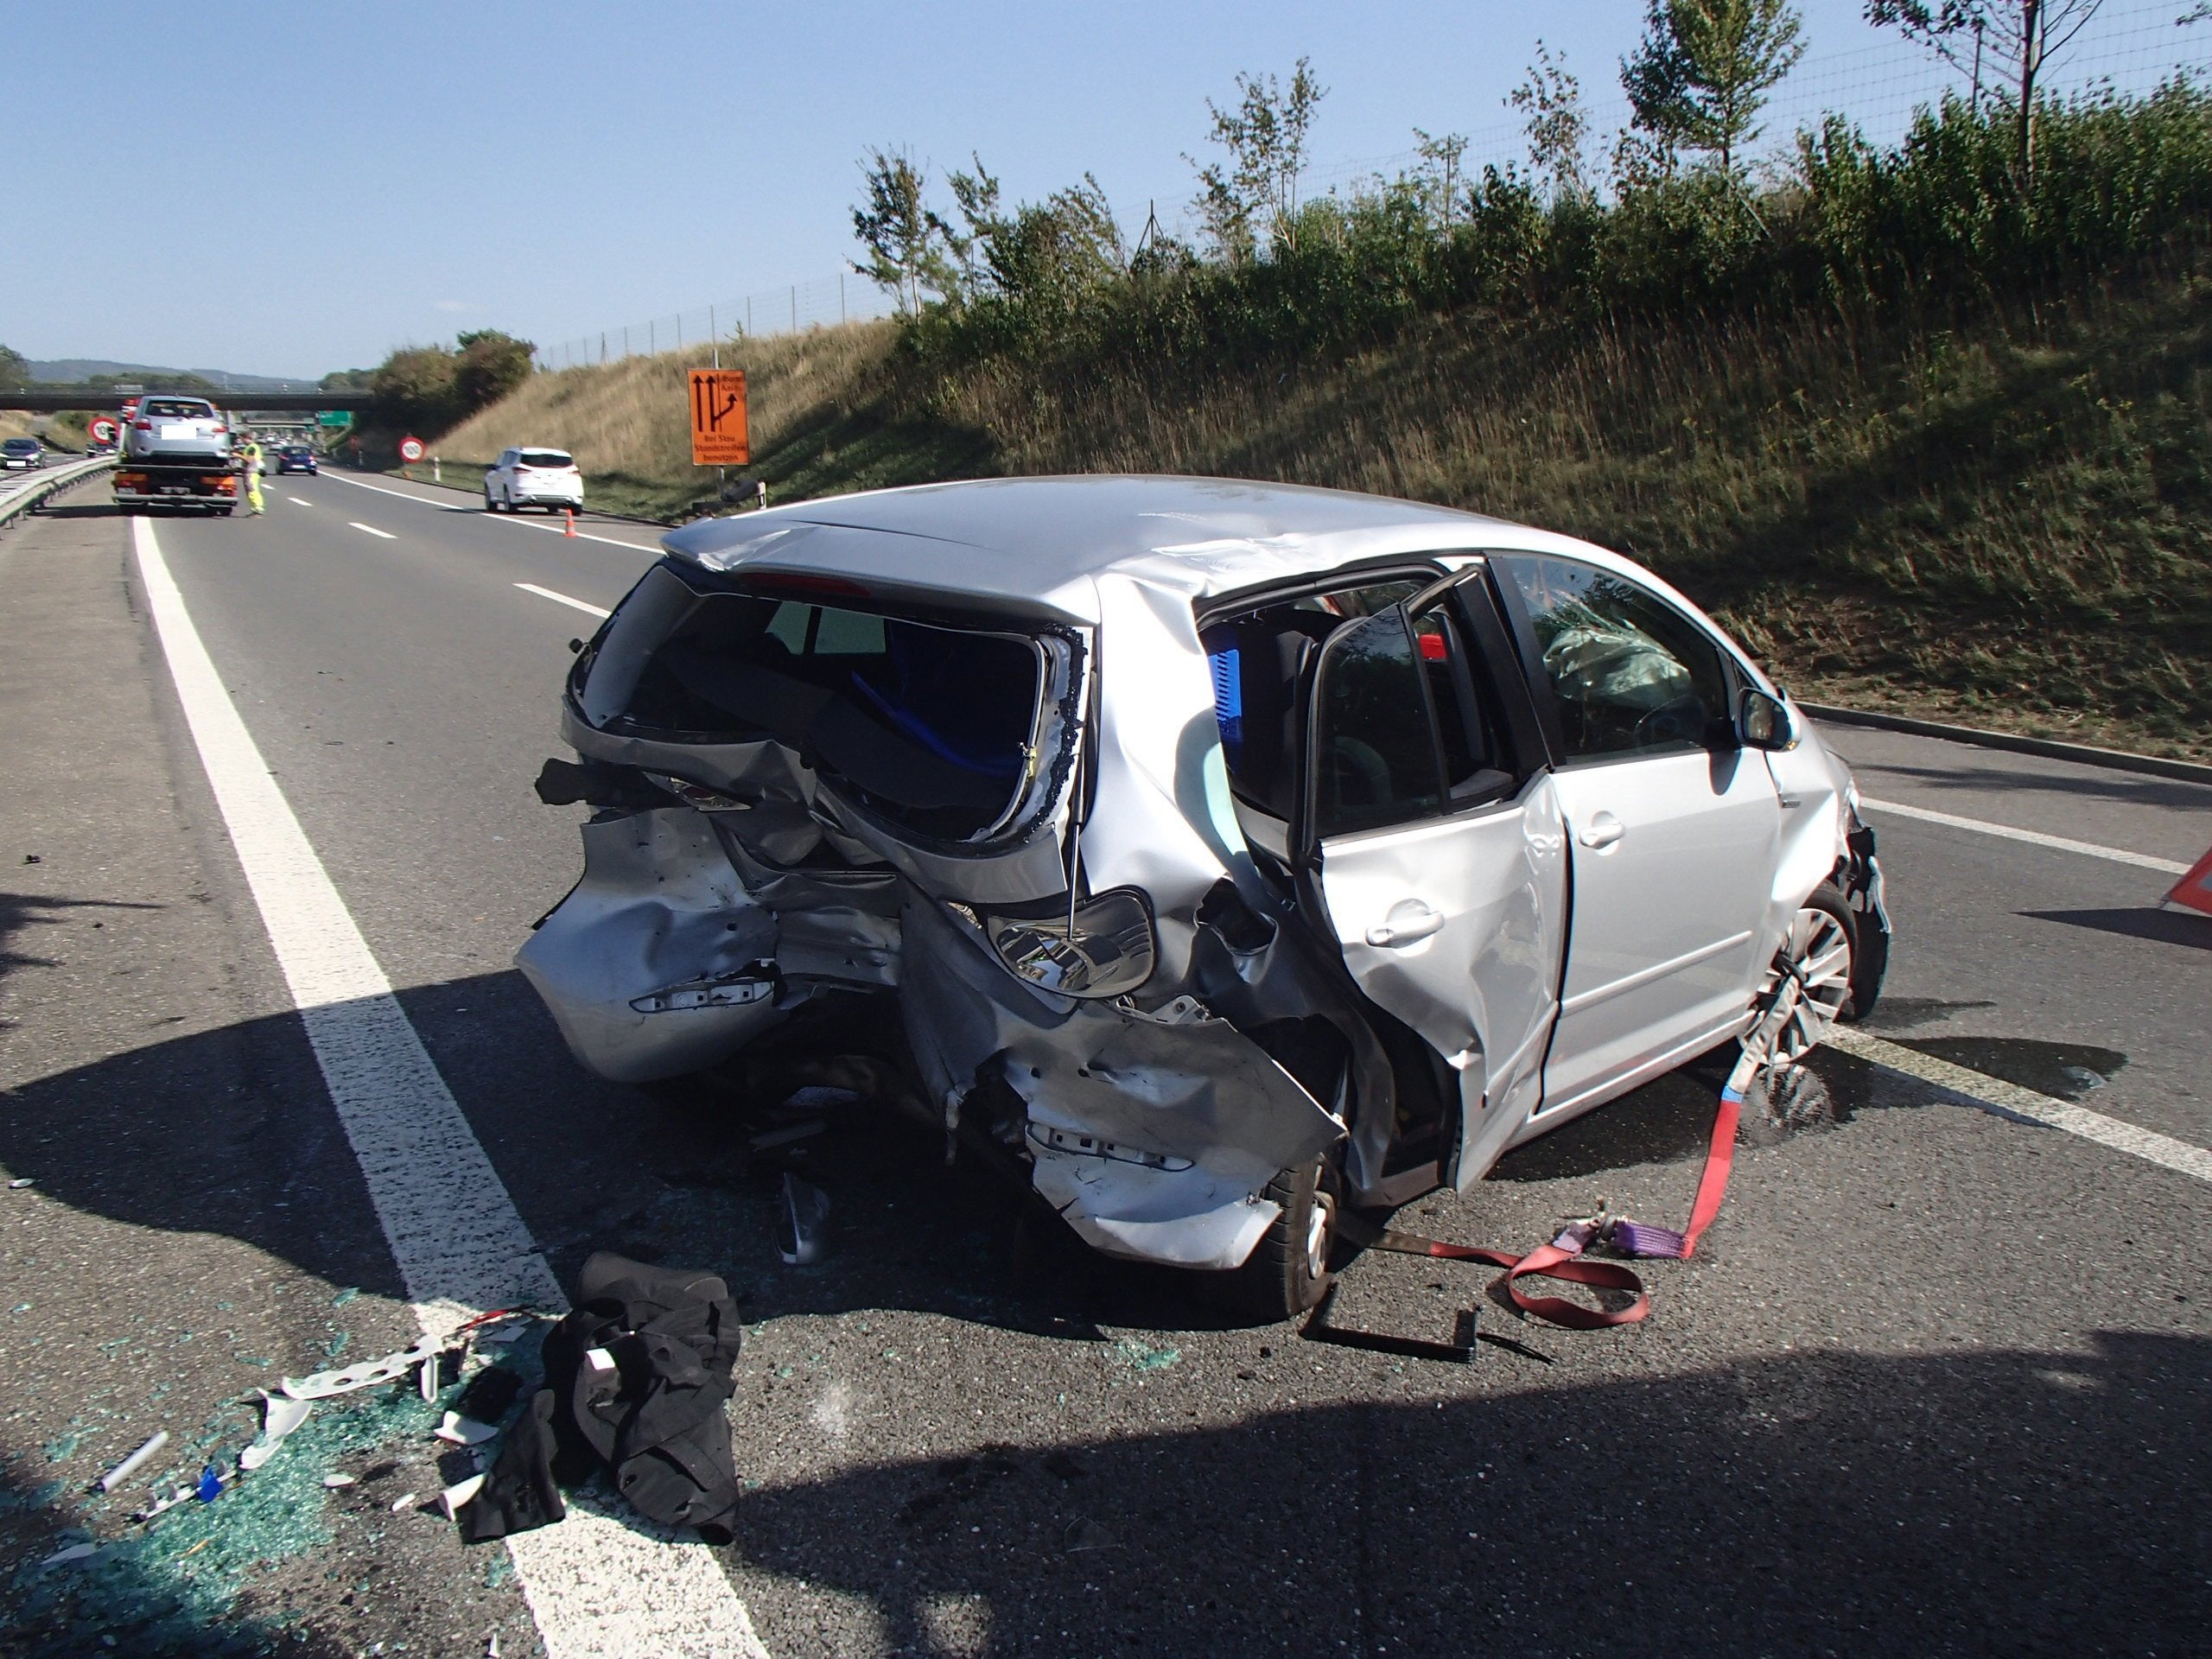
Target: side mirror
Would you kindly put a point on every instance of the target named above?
(1766, 723)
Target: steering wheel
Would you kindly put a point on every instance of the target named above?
(1680, 721)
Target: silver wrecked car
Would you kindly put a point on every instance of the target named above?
(1233, 852)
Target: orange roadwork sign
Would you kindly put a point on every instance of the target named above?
(718, 437)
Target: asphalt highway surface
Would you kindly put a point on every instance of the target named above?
(1939, 1381)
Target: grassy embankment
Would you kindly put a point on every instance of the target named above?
(2002, 520)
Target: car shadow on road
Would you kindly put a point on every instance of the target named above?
(2159, 926)
(1994, 1502)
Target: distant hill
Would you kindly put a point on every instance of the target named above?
(69, 370)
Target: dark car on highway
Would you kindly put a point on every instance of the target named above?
(296, 458)
(22, 454)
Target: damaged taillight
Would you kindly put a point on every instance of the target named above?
(1106, 948)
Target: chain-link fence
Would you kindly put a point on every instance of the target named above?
(2130, 46)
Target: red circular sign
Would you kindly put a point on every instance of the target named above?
(103, 429)
(411, 449)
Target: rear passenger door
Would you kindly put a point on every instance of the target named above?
(1436, 841)
(1673, 827)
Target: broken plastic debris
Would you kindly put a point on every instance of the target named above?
(333, 1482)
(462, 1431)
(20, 1182)
(211, 1484)
(1084, 1533)
(788, 1134)
(131, 1465)
(426, 1379)
(600, 1360)
(405, 1500)
(455, 1495)
(74, 1552)
(366, 1375)
(280, 1417)
(799, 1233)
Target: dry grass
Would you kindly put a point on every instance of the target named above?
(2006, 520)
(809, 397)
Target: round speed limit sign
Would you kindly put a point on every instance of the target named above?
(103, 430)
(411, 449)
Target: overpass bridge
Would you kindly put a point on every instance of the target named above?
(53, 401)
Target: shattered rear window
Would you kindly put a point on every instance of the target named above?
(932, 725)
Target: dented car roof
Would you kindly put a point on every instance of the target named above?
(1041, 542)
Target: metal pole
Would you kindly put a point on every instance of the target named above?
(652, 339)
(679, 331)
(794, 307)
(626, 344)
(841, 298)
(602, 345)
(748, 314)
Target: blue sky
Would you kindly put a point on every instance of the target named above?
(285, 190)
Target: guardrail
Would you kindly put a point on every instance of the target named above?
(50, 482)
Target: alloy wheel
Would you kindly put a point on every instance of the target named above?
(1817, 957)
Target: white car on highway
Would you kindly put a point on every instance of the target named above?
(1216, 854)
(534, 478)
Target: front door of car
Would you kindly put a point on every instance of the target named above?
(1439, 848)
(1673, 828)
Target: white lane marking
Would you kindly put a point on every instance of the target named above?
(2011, 1098)
(2034, 838)
(356, 524)
(298, 502)
(504, 518)
(561, 599)
(598, 1588)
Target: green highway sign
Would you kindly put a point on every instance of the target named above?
(336, 419)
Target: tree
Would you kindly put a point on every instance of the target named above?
(906, 242)
(492, 364)
(1265, 136)
(1043, 254)
(1437, 178)
(414, 391)
(1701, 75)
(2017, 37)
(14, 368)
(1551, 99)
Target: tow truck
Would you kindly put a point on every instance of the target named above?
(177, 453)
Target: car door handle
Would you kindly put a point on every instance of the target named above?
(1602, 831)
(1409, 919)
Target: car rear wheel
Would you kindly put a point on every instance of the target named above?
(1820, 954)
(1289, 1269)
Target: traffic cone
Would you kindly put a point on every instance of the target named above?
(570, 528)
(2194, 889)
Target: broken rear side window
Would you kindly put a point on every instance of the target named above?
(931, 727)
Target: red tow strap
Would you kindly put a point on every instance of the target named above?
(1562, 1258)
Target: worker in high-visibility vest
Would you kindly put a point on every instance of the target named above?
(250, 460)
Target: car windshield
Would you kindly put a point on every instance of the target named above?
(544, 458)
(176, 409)
(20, 446)
(933, 727)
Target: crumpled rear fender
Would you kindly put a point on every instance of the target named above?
(658, 910)
(1154, 1136)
